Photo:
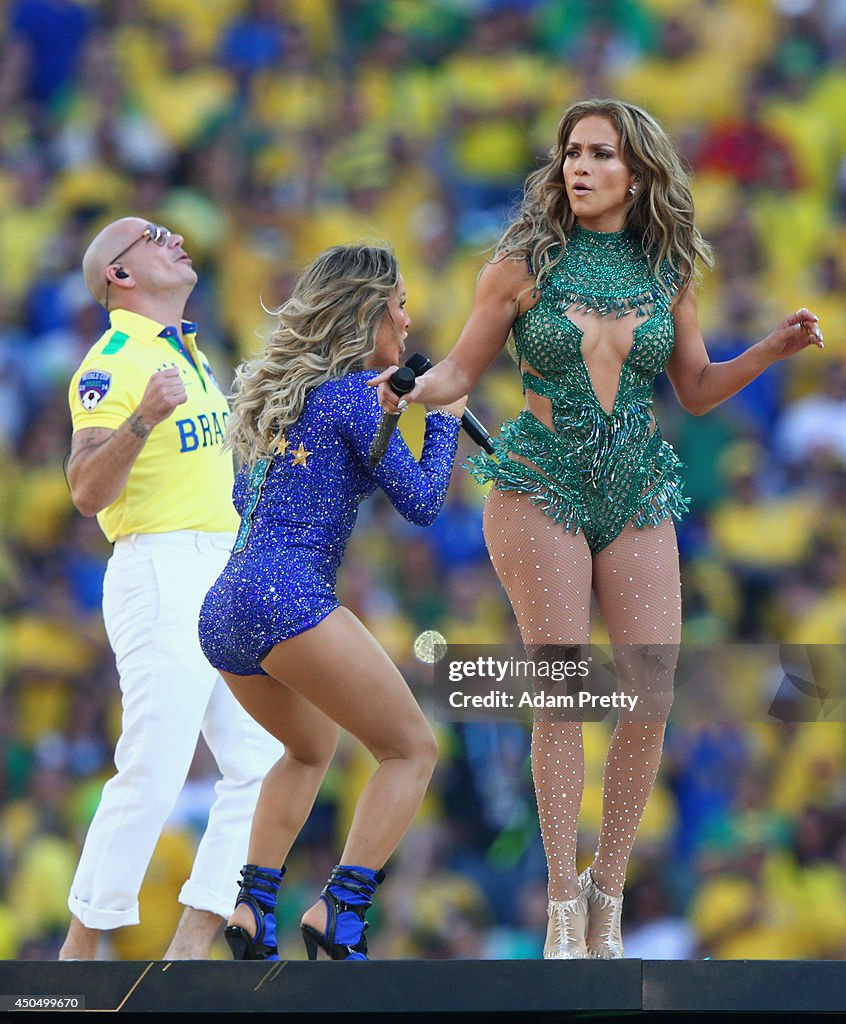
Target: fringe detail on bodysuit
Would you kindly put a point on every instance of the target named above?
(514, 476)
(507, 474)
(662, 498)
(641, 305)
(665, 497)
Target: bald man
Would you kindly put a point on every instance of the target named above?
(146, 459)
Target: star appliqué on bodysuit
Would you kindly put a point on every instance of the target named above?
(300, 455)
(282, 447)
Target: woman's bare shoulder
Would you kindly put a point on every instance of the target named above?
(507, 277)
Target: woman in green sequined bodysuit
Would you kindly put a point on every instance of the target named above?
(594, 278)
(597, 468)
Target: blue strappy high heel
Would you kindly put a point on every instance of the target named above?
(347, 895)
(259, 889)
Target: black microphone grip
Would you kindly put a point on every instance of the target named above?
(401, 382)
(473, 427)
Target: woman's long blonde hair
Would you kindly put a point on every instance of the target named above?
(661, 214)
(326, 329)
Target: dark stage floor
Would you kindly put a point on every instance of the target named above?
(494, 990)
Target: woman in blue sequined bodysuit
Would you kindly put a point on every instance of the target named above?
(594, 278)
(303, 420)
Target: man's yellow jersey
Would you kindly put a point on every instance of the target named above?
(182, 479)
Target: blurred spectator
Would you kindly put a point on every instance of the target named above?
(740, 911)
(675, 81)
(705, 758)
(57, 292)
(437, 912)
(456, 536)
(35, 828)
(434, 29)
(14, 389)
(759, 532)
(753, 410)
(101, 127)
(253, 41)
(744, 147)
(654, 931)
(815, 425)
(492, 85)
(31, 217)
(521, 939)
(298, 97)
(815, 885)
(398, 89)
(627, 28)
(49, 35)
(821, 284)
(186, 95)
(424, 603)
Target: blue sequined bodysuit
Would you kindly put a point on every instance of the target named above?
(298, 510)
(596, 471)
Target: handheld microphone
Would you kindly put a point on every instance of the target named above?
(475, 431)
(401, 382)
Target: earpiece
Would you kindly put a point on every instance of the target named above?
(121, 273)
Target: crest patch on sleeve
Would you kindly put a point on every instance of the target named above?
(93, 387)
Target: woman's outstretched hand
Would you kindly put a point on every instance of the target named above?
(795, 332)
(388, 398)
(393, 403)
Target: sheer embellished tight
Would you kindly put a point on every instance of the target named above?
(548, 575)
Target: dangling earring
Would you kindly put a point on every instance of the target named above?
(632, 189)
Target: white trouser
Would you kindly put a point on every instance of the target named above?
(152, 593)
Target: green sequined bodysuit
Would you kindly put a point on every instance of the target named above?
(597, 470)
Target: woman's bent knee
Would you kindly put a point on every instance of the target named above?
(318, 763)
(311, 754)
(419, 747)
(429, 752)
(422, 749)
